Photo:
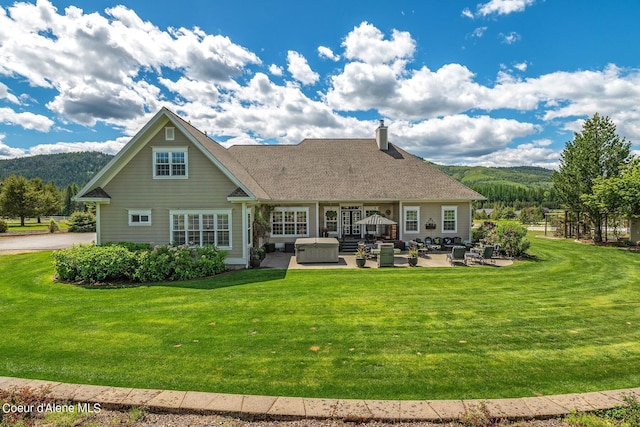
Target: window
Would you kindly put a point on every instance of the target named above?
(331, 219)
(368, 211)
(290, 222)
(169, 133)
(170, 162)
(449, 219)
(411, 219)
(201, 228)
(139, 217)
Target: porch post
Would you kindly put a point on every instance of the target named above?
(317, 219)
(400, 221)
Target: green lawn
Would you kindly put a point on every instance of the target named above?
(569, 321)
(31, 224)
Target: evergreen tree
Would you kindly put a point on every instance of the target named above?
(595, 152)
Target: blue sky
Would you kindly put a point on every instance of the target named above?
(489, 82)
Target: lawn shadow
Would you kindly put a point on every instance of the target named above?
(222, 280)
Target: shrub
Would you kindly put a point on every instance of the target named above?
(91, 264)
(137, 263)
(3, 226)
(510, 237)
(53, 226)
(82, 222)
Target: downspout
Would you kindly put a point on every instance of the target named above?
(98, 228)
(245, 236)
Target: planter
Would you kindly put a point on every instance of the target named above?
(413, 261)
(255, 263)
(360, 262)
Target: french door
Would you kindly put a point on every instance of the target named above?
(350, 215)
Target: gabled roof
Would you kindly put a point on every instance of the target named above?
(346, 169)
(313, 170)
(214, 151)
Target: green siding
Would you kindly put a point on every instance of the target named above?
(135, 188)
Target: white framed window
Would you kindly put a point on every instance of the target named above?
(170, 162)
(449, 219)
(139, 217)
(368, 211)
(169, 133)
(331, 218)
(290, 222)
(199, 228)
(411, 219)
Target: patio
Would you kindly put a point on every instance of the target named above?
(285, 260)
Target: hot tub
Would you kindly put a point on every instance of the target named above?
(317, 249)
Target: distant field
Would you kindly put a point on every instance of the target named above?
(31, 224)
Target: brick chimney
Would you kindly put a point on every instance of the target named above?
(382, 137)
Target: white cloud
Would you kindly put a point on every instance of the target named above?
(300, 69)
(503, 7)
(27, 120)
(98, 64)
(478, 32)
(467, 13)
(459, 138)
(325, 52)
(366, 43)
(522, 66)
(510, 38)
(535, 153)
(276, 70)
(5, 94)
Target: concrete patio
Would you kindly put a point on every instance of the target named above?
(285, 260)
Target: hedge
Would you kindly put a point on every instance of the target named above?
(137, 263)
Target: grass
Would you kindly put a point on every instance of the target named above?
(564, 322)
(31, 224)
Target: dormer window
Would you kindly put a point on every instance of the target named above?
(169, 133)
(170, 162)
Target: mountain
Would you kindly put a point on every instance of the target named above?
(514, 186)
(519, 176)
(507, 185)
(62, 169)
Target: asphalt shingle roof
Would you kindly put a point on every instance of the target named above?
(346, 169)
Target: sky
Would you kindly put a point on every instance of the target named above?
(489, 82)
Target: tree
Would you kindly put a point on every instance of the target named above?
(618, 194)
(18, 198)
(70, 206)
(595, 152)
(47, 198)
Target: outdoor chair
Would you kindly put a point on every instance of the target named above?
(457, 255)
(481, 256)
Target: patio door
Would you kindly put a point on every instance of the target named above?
(349, 216)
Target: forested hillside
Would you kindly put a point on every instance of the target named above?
(521, 185)
(62, 169)
(513, 186)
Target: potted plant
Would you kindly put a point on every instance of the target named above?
(413, 256)
(255, 258)
(361, 256)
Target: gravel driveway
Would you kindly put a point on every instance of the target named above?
(43, 242)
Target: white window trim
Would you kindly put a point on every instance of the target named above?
(404, 219)
(171, 150)
(169, 133)
(295, 210)
(139, 212)
(228, 212)
(455, 210)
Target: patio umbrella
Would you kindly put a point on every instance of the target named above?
(376, 220)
